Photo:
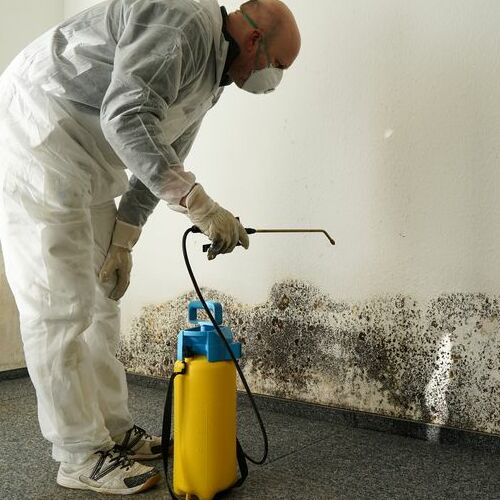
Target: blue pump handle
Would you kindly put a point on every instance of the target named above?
(196, 305)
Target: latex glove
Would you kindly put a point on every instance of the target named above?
(221, 226)
(119, 258)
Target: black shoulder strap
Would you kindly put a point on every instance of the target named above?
(242, 464)
(167, 429)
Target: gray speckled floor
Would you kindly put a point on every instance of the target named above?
(308, 458)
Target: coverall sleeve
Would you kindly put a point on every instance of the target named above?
(153, 61)
(138, 203)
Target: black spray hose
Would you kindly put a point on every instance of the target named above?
(194, 229)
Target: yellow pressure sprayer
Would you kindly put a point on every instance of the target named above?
(207, 453)
(205, 408)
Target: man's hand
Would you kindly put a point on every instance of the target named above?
(223, 229)
(119, 258)
(119, 261)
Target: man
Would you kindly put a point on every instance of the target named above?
(124, 84)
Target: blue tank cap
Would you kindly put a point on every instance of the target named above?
(203, 339)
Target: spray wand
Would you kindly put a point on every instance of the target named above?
(251, 230)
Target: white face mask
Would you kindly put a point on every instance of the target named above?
(263, 81)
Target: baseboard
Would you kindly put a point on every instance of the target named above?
(356, 419)
(12, 374)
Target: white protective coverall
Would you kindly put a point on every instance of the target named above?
(125, 84)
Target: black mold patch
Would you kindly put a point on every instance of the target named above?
(438, 362)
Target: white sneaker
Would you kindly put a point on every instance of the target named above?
(138, 444)
(111, 472)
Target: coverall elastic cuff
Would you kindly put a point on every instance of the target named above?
(125, 235)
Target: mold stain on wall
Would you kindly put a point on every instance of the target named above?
(437, 362)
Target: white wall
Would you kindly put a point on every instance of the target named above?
(386, 132)
(72, 7)
(11, 351)
(20, 22)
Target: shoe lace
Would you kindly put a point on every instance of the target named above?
(141, 432)
(118, 455)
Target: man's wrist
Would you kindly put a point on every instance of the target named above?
(125, 235)
(183, 202)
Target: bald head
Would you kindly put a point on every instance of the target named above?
(278, 24)
(268, 23)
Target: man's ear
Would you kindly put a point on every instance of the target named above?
(253, 40)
